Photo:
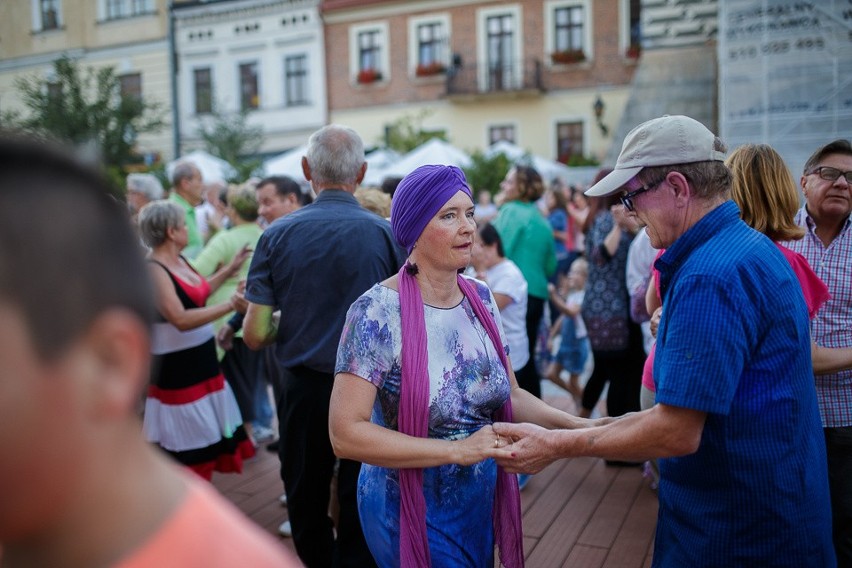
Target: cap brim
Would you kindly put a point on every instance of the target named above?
(613, 182)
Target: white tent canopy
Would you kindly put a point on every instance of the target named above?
(377, 162)
(549, 169)
(212, 169)
(435, 151)
(287, 164)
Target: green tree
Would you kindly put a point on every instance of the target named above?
(485, 172)
(407, 133)
(230, 137)
(85, 107)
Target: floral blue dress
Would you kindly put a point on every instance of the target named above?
(467, 384)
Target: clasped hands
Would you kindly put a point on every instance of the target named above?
(518, 448)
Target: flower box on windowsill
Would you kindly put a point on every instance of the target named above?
(430, 69)
(367, 76)
(633, 51)
(568, 57)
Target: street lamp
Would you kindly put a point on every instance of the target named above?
(598, 107)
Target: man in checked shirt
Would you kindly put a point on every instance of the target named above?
(827, 245)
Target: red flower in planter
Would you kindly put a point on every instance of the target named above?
(428, 69)
(368, 76)
(568, 56)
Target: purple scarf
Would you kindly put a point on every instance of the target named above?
(419, 196)
(414, 421)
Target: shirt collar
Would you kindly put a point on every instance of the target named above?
(804, 216)
(333, 194)
(177, 198)
(719, 218)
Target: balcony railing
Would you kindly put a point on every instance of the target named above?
(486, 78)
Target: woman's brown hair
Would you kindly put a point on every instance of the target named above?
(530, 184)
(765, 192)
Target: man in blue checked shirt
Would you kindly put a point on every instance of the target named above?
(736, 423)
(827, 245)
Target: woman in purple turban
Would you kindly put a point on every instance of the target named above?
(422, 372)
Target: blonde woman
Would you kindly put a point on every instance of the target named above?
(766, 194)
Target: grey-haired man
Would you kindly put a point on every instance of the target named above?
(743, 478)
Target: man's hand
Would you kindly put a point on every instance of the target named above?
(225, 337)
(531, 451)
(623, 219)
(655, 320)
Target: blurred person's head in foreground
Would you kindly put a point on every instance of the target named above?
(81, 487)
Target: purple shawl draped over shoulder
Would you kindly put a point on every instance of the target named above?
(419, 196)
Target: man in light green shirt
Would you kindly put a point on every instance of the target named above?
(187, 191)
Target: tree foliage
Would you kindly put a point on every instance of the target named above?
(406, 133)
(85, 107)
(487, 173)
(232, 138)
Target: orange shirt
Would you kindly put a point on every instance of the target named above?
(207, 531)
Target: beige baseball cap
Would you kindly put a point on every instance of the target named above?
(663, 141)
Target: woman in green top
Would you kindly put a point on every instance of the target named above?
(528, 242)
(242, 367)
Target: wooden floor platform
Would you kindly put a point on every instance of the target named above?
(577, 513)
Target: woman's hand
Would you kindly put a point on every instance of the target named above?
(480, 445)
(238, 260)
(239, 303)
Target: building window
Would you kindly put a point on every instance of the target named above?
(296, 80)
(368, 54)
(130, 85)
(203, 90)
(569, 140)
(116, 9)
(49, 14)
(249, 93)
(502, 67)
(502, 132)
(568, 30)
(369, 51)
(430, 44)
(634, 44)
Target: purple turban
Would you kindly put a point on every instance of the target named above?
(419, 196)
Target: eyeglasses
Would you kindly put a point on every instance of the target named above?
(831, 174)
(627, 198)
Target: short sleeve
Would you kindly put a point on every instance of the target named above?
(502, 283)
(366, 346)
(259, 282)
(214, 254)
(702, 345)
(491, 304)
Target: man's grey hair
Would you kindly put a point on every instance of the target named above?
(146, 184)
(708, 179)
(335, 155)
(183, 170)
(155, 220)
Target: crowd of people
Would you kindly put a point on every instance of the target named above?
(404, 333)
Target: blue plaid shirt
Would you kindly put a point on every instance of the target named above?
(734, 343)
(832, 326)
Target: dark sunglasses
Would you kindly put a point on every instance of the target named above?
(627, 198)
